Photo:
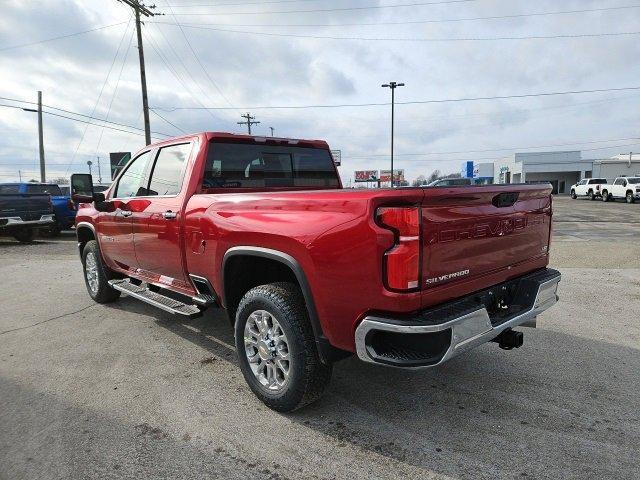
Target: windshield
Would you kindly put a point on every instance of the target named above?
(237, 165)
(46, 189)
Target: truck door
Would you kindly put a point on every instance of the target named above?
(157, 222)
(619, 187)
(115, 228)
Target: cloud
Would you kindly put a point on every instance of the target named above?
(253, 70)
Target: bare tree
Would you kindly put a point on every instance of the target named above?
(435, 175)
(420, 180)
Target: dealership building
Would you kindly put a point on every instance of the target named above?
(562, 169)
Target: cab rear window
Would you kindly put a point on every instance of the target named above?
(233, 165)
(597, 180)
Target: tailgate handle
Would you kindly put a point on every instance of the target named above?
(506, 199)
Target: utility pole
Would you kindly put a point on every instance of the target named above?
(139, 8)
(20, 175)
(249, 121)
(41, 139)
(392, 86)
(99, 172)
(272, 130)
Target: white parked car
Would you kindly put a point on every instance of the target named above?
(622, 187)
(588, 187)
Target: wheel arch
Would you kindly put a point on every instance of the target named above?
(293, 268)
(85, 232)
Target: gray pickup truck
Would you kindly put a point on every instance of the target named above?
(23, 214)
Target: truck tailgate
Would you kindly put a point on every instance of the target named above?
(473, 233)
(27, 206)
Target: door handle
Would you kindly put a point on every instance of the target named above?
(126, 213)
(169, 215)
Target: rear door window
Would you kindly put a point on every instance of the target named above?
(168, 171)
(231, 165)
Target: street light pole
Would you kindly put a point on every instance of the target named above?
(89, 162)
(392, 86)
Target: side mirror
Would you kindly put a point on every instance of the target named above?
(82, 188)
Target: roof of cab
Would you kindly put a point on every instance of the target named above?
(240, 138)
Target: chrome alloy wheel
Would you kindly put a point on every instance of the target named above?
(91, 272)
(267, 350)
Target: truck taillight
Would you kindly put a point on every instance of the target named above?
(401, 263)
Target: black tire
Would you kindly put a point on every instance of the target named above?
(605, 196)
(102, 292)
(629, 197)
(25, 235)
(573, 194)
(592, 196)
(308, 376)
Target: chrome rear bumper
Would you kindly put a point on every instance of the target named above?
(19, 222)
(441, 333)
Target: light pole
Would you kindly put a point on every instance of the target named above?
(89, 162)
(272, 130)
(392, 86)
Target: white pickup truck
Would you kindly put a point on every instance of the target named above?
(588, 187)
(622, 187)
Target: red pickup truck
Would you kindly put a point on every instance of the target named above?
(310, 272)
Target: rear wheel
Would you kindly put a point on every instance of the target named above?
(25, 235)
(97, 275)
(573, 194)
(592, 195)
(277, 349)
(629, 197)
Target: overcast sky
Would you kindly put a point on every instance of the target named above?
(286, 68)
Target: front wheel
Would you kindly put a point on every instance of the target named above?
(630, 198)
(605, 196)
(277, 349)
(573, 194)
(97, 274)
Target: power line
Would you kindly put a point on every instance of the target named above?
(413, 102)
(414, 39)
(418, 22)
(192, 5)
(174, 71)
(501, 157)
(167, 121)
(343, 9)
(591, 142)
(213, 82)
(115, 90)
(91, 117)
(106, 79)
(86, 121)
(59, 37)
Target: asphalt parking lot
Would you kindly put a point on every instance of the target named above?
(125, 390)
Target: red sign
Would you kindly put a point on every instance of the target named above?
(366, 175)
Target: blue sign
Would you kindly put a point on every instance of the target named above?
(467, 169)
